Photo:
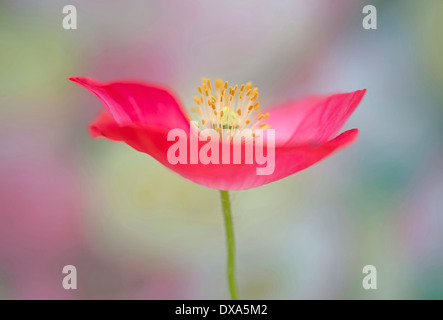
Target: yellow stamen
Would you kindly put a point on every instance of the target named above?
(219, 84)
(230, 108)
(197, 110)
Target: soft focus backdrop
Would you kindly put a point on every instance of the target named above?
(135, 230)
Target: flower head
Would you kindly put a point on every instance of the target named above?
(142, 115)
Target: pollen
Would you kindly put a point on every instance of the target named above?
(228, 108)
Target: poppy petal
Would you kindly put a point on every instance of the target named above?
(289, 158)
(313, 119)
(135, 102)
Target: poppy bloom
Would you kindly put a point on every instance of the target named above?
(304, 132)
(141, 115)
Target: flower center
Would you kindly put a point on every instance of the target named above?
(229, 110)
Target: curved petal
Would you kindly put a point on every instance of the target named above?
(313, 119)
(289, 158)
(134, 102)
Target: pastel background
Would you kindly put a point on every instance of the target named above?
(135, 230)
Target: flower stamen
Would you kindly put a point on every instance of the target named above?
(230, 109)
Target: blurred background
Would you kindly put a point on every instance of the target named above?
(135, 230)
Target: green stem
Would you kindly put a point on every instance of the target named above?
(226, 204)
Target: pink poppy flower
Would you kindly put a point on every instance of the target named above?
(142, 114)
